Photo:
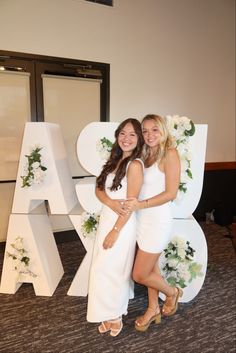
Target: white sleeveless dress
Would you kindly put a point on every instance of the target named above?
(154, 223)
(110, 283)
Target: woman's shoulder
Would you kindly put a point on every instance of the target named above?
(136, 164)
(171, 155)
(171, 151)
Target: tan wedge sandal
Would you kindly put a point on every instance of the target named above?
(145, 323)
(168, 309)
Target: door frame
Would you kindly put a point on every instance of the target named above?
(38, 64)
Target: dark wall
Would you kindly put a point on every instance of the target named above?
(219, 194)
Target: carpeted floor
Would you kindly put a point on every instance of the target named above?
(57, 324)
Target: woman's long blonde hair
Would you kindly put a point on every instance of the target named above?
(166, 139)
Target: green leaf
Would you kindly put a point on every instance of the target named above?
(107, 143)
(26, 260)
(171, 281)
(181, 283)
(90, 224)
(182, 187)
(195, 270)
(189, 173)
(190, 132)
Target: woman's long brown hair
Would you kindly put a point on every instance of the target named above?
(116, 157)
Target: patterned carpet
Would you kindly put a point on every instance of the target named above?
(57, 324)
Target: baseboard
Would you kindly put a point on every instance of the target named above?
(220, 165)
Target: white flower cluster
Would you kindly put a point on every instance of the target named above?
(181, 127)
(179, 267)
(38, 174)
(89, 224)
(104, 147)
(34, 170)
(20, 258)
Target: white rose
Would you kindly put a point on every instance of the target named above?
(104, 154)
(184, 164)
(181, 253)
(173, 262)
(38, 176)
(169, 123)
(184, 177)
(181, 243)
(183, 271)
(18, 243)
(181, 147)
(35, 165)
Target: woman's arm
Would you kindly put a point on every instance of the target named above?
(116, 205)
(172, 180)
(134, 183)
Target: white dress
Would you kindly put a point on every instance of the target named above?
(154, 223)
(110, 283)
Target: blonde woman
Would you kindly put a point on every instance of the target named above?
(160, 186)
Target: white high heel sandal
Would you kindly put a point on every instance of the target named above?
(103, 328)
(115, 331)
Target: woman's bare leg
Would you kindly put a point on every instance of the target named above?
(153, 294)
(145, 272)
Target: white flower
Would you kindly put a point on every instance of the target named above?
(181, 127)
(38, 176)
(182, 149)
(89, 224)
(34, 169)
(35, 165)
(173, 262)
(179, 256)
(104, 147)
(183, 271)
(179, 242)
(20, 258)
(18, 244)
(104, 154)
(181, 253)
(184, 177)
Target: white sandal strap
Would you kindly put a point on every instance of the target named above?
(115, 321)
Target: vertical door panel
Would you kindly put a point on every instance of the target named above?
(14, 113)
(72, 103)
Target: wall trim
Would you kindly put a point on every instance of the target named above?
(220, 165)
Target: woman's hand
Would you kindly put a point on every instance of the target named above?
(132, 204)
(118, 206)
(110, 239)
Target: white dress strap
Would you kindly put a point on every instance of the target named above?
(136, 159)
(140, 160)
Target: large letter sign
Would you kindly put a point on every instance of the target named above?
(90, 158)
(185, 226)
(43, 174)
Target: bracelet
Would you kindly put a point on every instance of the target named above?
(116, 229)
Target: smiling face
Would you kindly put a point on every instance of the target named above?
(127, 139)
(152, 133)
